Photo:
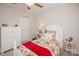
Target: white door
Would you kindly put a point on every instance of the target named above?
(25, 28)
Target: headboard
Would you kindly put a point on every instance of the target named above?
(57, 31)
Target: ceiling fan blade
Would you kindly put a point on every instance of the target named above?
(39, 5)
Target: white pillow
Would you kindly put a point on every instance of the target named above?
(47, 37)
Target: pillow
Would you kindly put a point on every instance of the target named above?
(53, 34)
(47, 37)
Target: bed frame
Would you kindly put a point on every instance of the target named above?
(16, 51)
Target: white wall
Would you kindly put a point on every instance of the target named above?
(11, 16)
(65, 15)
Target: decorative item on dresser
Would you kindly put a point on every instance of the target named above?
(4, 25)
(7, 37)
(16, 25)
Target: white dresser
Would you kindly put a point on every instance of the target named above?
(7, 37)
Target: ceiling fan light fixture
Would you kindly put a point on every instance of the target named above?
(29, 4)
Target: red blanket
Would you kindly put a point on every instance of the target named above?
(40, 51)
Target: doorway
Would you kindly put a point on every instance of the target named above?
(25, 28)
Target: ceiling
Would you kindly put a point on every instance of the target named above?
(34, 9)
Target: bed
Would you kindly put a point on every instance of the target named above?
(47, 45)
(50, 47)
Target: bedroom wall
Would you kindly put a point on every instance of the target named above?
(11, 16)
(66, 15)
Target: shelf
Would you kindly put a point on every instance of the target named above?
(68, 42)
(69, 49)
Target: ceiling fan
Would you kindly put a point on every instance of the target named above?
(31, 4)
(37, 4)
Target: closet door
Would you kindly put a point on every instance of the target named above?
(25, 28)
